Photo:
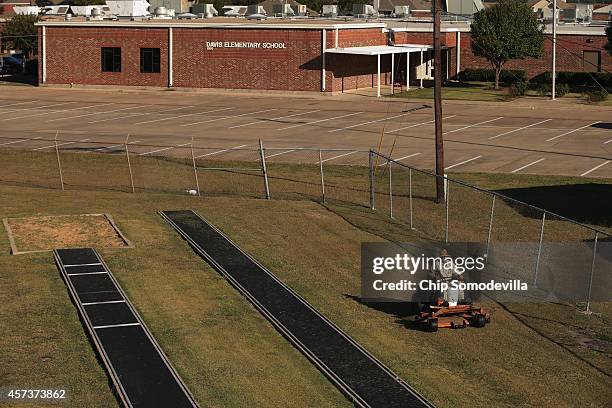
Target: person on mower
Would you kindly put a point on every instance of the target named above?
(447, 273)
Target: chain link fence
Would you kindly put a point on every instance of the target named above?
(552, 252)
(563, 259)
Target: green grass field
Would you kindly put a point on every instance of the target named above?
(230, 356)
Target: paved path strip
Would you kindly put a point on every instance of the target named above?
(139, 369)
(358, 374)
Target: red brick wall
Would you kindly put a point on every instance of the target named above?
(297, 67)
(345, 71)
(569, 55)
(73, 55)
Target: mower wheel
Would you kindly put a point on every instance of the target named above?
(431, 325)
(479, 321)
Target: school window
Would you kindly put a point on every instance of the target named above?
(111, 59)
(149, 60)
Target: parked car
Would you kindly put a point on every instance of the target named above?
(11, 64)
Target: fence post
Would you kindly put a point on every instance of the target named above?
(372, 199)
(195, 168)
(535, 279)
(446, 199)
(389, 163)
(262, 155)
(490, 226)
(127, 155)
(410, 193)
(588, 308)
(322, 178)
(59, 162)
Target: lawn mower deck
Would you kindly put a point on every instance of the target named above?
(453, 317)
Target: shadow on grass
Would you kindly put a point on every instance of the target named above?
(404, 312)
(587, 203)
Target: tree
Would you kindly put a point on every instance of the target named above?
(609, 34)
(508, 30)
(20, 34)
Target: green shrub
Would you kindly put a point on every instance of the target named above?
(542, 89)
(597, 96)
(488, 75)
(561, 89)
(31, 67)
(518, 88)
(574, 79)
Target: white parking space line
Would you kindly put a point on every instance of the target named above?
(277, 118)
(336, 157)
(419, 124)
(595, 168)
(18, 103)
(400, 158)
(60, 144)
(39, 114)
(475, 124)
(98, 113)
(20, 141)
(130, 115)
(220, 151)
(368, 122)
(163, 150)
(463, 162)
(64, 110)
(608, 141)
(521, 128)
(182, 116)
(572, 131)
(527, 165)
(278, 154)
(117, 145)
(228, 117)
(320, 120)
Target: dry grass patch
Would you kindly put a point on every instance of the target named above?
(44, 233)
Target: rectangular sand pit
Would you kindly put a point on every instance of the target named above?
(44, 233)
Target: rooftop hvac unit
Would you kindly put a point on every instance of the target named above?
(330, 10)
(255, 9)
(208, 10)
(302, 10)
(363, 10)
(282, 10)
(401, 11)
(234, 11)
(27, 10)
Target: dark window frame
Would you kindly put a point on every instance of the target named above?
(110, 59)
(150, 60)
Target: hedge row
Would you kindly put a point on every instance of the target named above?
(488, 75)
(577, 78)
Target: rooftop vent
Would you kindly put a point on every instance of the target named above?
(330, 10)
(207, 10)
(364, 10)
(282, 10)
(255, 9)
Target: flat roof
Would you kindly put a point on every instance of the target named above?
(219, 22)
(380, 49)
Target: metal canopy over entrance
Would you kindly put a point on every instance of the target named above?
(378, 50)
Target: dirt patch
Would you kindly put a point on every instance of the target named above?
(44, 233)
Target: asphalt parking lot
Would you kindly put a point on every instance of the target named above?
(535, 137)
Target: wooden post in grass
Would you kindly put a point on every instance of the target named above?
(588, 307)
(537, 266)
(264, 170)
(195, 168)
(59, 162)
(410, 194)
(322, 178)
(390, 164)
(127, 156)
(371, 173)
(490, 226)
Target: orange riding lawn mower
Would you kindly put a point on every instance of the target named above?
(451, 313)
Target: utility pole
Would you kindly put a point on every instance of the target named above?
(438, 102)
(554, 50)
